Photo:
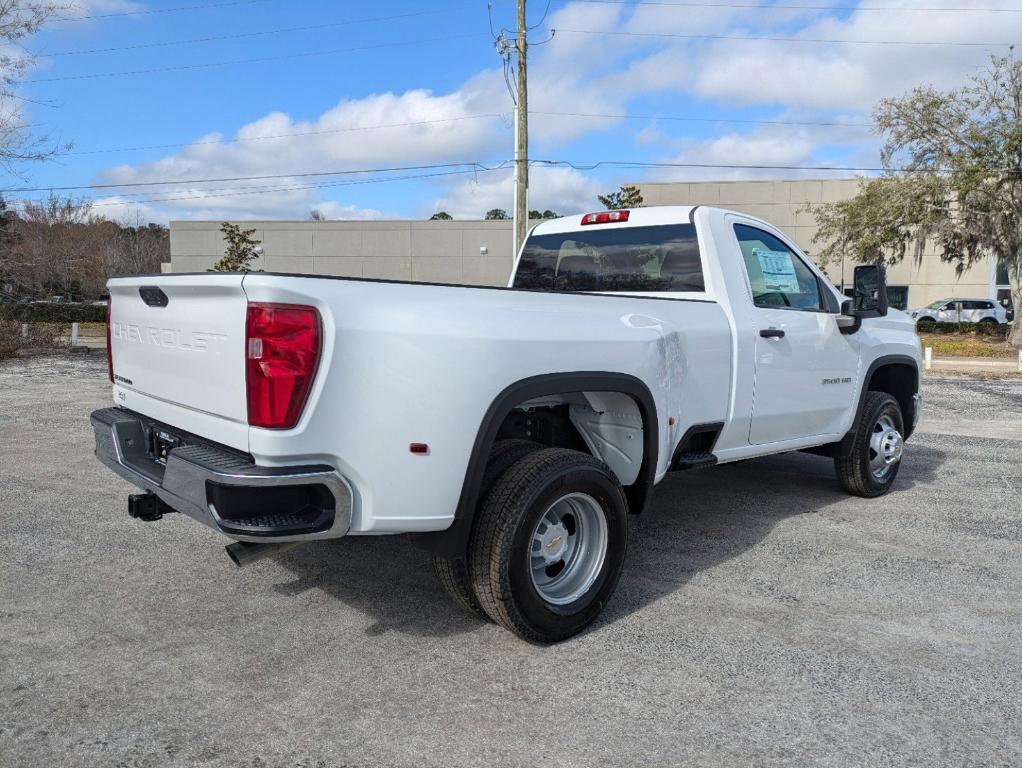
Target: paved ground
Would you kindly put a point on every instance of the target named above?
(764, 618)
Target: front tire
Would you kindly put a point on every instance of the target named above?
(548, 544)
(877, 445)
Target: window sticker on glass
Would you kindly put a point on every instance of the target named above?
(778, 270)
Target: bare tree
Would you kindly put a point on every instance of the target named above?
(138, 249)
(18, 20)
(62, 248)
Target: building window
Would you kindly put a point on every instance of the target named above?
(897, 296)
(1002, 273)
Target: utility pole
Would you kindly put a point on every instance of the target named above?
(521, 210)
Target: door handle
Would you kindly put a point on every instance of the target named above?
(772, 333)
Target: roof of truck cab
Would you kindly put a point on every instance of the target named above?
(637, 217)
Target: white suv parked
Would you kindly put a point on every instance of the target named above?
(962, 311)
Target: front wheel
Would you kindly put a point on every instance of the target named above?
(549, 544)
(877, 445)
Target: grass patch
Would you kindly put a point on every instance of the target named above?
(967, 345)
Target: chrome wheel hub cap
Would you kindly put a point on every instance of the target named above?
(568, 548)
(886, 446)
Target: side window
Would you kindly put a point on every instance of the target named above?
(778, 276)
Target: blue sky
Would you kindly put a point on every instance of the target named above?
(399, 83)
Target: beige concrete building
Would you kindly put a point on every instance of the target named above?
(479, 252)
(468, 252)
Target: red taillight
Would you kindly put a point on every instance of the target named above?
(109, 349)
(605, 217)
(282, 349)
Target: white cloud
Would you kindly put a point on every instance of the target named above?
(563, 190)
(770, 146)
(82, 9)
(127, 212)
(332, 210)
(423, 129)
(592, 74)
(852, 76)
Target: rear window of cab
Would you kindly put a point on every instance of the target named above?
(660, 258)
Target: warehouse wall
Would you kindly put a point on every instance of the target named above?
(469, 252)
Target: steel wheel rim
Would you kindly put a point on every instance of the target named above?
(567, 548)
(886, 446)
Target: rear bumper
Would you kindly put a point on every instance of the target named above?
(224, 489)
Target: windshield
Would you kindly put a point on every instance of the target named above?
(657, 258)
(937, 304)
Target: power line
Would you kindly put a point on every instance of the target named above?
(483, 116)
(259, 33)
(323, 132)
(151, 11)
(580, 165)
(232, 62)
(757, 7)
(781, 39)
(315, 185)
(270, 190)
(589, 166)
(682, 118)
(304, 174)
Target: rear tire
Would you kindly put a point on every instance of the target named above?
(452, 572)
(872, 464)
(548, 544)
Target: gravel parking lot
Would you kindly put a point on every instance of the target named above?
(763, 618)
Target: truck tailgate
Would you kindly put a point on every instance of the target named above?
(178, 347)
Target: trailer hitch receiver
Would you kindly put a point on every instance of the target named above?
(147, 507)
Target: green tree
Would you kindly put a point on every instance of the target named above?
(441, 216)
(547, 214)
(958, 182)
(626, 197)
(496, 214)
(240, 251)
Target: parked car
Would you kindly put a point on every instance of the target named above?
(510, 430)
(962, 311)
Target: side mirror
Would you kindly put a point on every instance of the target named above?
(848, 321)
(870, 291)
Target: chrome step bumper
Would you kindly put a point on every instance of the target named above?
(223, 489)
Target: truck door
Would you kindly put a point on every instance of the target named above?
(806, 370)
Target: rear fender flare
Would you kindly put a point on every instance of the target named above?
(454, 541)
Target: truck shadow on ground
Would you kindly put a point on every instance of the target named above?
(696, 521)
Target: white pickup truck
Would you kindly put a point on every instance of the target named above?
(510, 430)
